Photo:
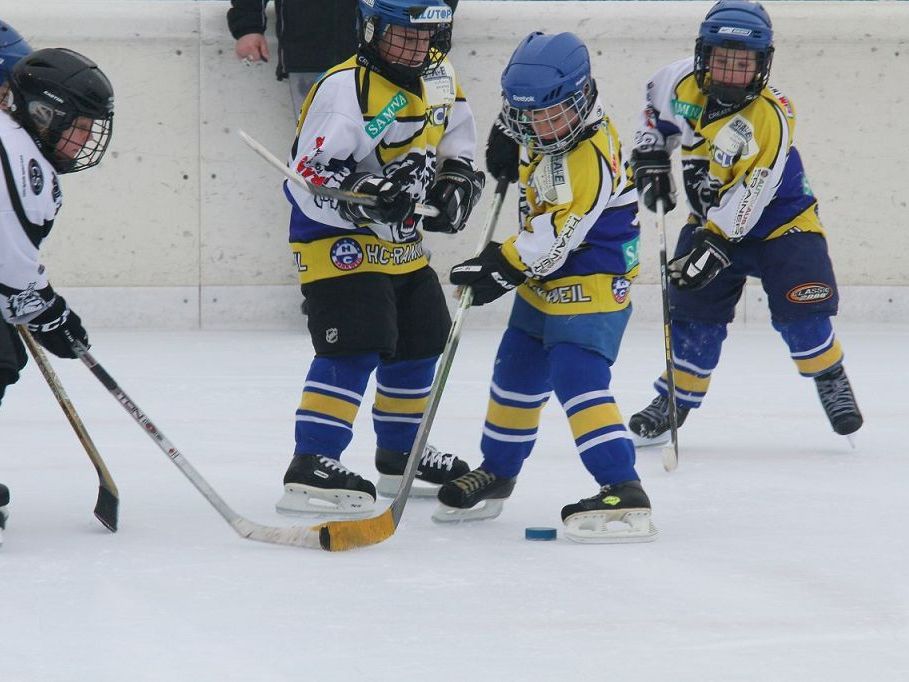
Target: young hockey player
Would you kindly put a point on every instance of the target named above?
(57, 119)
(572, 264)
(752, 213)
(390, 123)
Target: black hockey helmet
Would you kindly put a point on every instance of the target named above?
(66, 104)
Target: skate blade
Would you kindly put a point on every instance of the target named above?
(611, 527)
(445, 514)
(299, 499)
(388, 486)
(642, 442)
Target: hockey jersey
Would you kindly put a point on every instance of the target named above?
(744, 178)
(29, 202)
(355, 120)
(578, 234)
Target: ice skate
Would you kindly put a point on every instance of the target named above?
(459, 498)
(315, 484)
(617, 513)
(650, 426)
(836, 396)
(434, 470)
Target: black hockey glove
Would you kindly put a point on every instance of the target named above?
(58, 328)
(489, 275)
(701, 265)
(653, 177)
(393, 203)
(456, 191)
(502, 153)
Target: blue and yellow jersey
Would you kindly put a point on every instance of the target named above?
(744, 178)
(578, 236)
(354, 121)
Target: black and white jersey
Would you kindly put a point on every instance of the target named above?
(29, 201)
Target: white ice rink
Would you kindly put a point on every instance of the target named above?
(782, 554)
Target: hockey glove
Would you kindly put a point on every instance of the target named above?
(653, 177)
(456, 191)
(489, 275)
(393, 203)
(58, 328)
(701, 265)
(502, 153)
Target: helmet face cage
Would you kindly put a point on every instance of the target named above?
(552, 129)
(403, 47)
(82, 144)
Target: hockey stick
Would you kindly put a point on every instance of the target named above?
(295, 535)
(321, 190)
(336, 536)
(108, 503)
(670, 451)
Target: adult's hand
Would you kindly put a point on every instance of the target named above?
(252, 48)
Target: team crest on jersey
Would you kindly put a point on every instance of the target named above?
(620, 288)
(812, 292)
(35, 176)
(346, 254)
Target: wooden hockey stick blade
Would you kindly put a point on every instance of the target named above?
(336, 536)
(108, 504)
(321, 190)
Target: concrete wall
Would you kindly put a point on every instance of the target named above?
(182, 225)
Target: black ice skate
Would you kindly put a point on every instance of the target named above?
(459, 498)
(650, 426)
(617, 513)
(839, 401)
(4, 513)
(435, 469)
(315, 484)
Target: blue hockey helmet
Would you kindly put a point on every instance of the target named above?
(404, 39)
(734, 25)
(547, 91)
(13, 47)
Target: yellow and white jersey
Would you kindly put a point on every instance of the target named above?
(578, 233)
(29, 200)
(743, 176)
(355, 120)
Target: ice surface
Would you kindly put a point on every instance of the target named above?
(782, 553)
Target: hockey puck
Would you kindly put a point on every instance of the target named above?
(539, 533)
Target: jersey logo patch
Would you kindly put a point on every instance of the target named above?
(630, 252)
(346, 254)
(35, 176)
(686, 109)
(387, 116)
(813, 292)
